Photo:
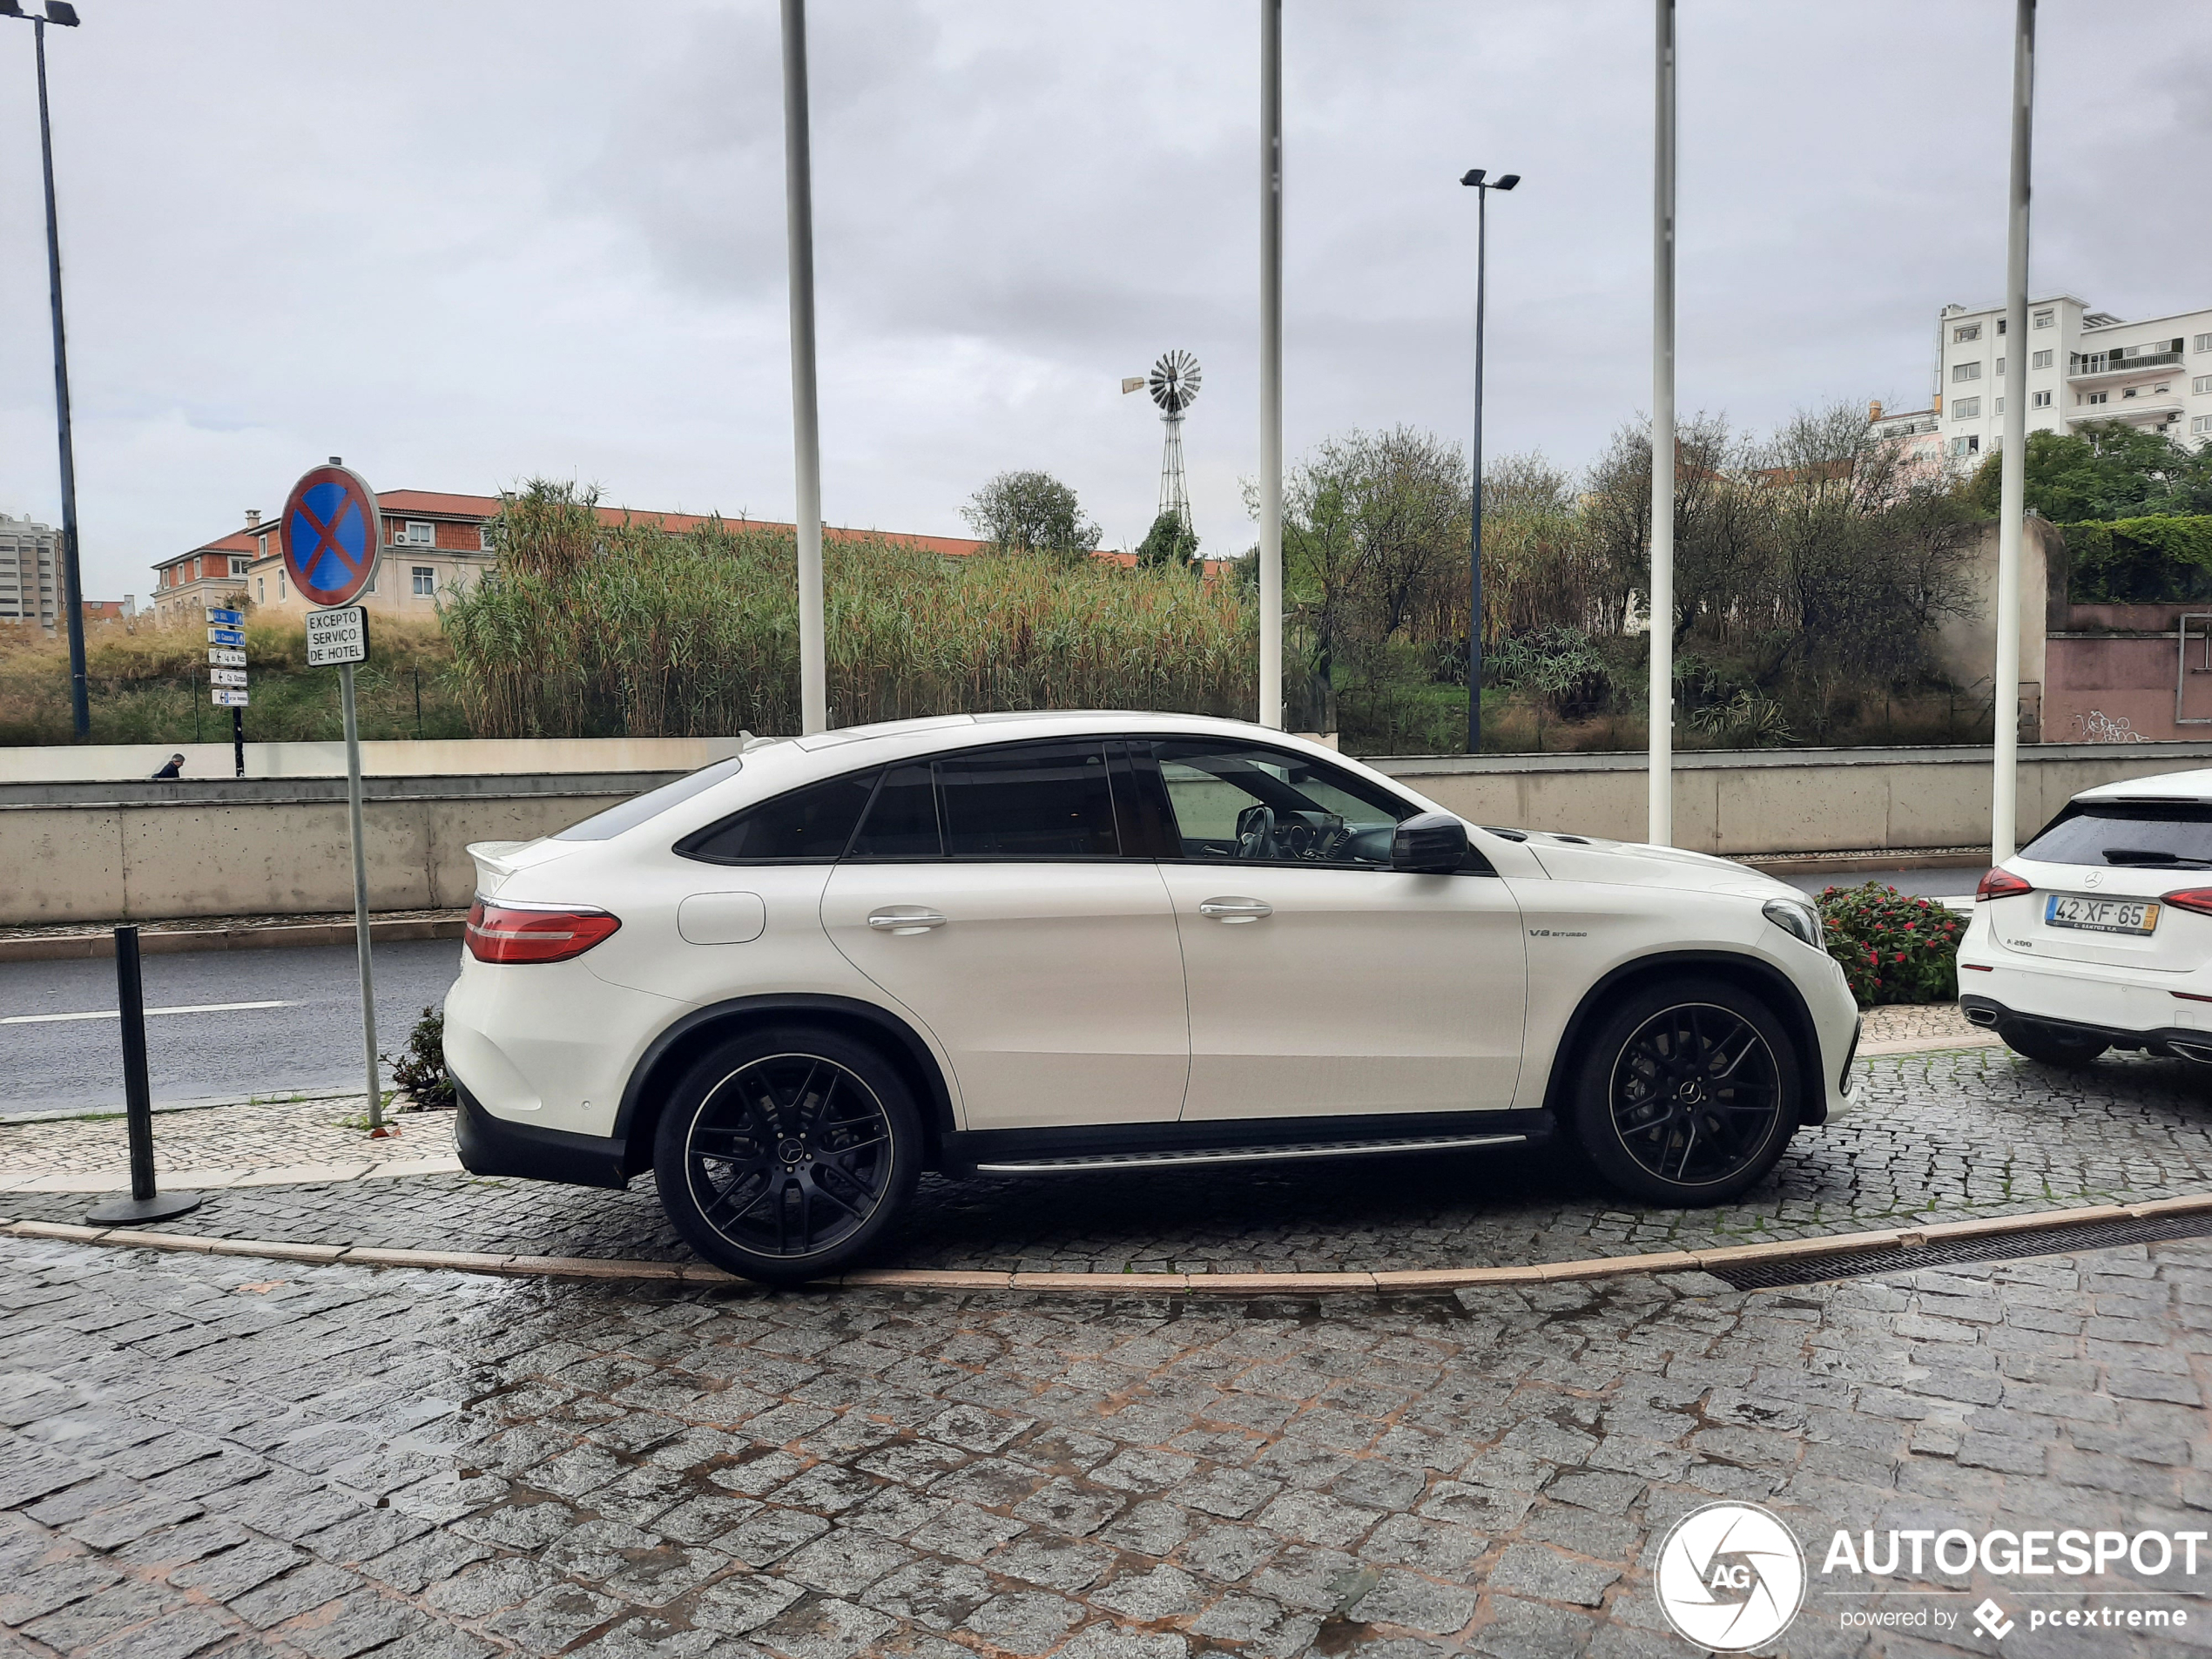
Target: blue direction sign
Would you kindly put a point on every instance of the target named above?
(332, 533)
(225, 618)
(227, 635)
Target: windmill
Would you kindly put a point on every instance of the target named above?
(1174, 385)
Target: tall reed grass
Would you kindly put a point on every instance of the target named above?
(148, 684)
(592, 629)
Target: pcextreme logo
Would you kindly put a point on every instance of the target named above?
(1730, 1577)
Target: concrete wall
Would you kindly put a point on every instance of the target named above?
(1789, 801)
(142, 851)
(100, 851)
(1966, 645)
(60, 763)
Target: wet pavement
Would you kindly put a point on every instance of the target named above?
(202, 1456)
(1941, 1136)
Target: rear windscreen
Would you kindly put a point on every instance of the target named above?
(606, 825)
(2119, 832)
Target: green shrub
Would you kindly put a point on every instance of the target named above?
(421, 1072)
(2139, 561)
(1893, 947)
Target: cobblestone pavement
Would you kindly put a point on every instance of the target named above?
(254, 1133)
(191, 1147)
(1900, 1029)
(209, 1457)
(1939, 1137)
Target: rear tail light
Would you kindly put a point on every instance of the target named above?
(2001, 884)
(507, 933)
(2197, 899)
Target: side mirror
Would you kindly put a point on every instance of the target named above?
(1429, 844)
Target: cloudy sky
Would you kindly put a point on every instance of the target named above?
(465, 244)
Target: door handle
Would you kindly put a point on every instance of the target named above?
(904, 918)
(1236, 910)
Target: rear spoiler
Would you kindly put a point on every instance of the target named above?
(494, 861)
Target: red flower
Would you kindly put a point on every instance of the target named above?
(1900, 956)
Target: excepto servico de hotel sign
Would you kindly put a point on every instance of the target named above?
(338, 636)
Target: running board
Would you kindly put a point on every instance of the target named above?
(1217, 1156)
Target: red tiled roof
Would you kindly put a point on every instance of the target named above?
(236, 541)
(399, 502)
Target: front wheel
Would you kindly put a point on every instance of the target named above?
(2050, 1044)
(1688, 1093)
(785, 1154)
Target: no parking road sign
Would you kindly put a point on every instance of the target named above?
(332, 533)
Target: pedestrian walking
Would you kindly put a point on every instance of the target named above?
(174, 768)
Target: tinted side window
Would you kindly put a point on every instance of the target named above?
(902, 821)
(809, 825)
(1044, 801)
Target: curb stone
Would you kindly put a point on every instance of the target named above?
(1349, 1282)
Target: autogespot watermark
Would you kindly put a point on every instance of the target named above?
(1732, 1577)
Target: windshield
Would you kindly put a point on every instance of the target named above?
(604, 826)
(2150, 835)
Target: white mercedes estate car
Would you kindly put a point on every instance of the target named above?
(1028, 945)
(2097, 934)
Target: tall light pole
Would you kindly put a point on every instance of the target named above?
(1661, 630)
(805, 423)
(1270, 363)
(62, 14)
(2004, 814)
(1473, 176)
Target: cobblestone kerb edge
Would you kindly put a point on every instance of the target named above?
(1412, 1281)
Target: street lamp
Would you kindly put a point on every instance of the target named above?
(62, 14)
(1474, 177)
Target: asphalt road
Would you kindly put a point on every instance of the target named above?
(1932, 884)
(313, 1041)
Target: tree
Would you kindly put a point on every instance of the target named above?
(1723, 557)
(1031, 512)
(2107, 470)
(1869, 555)
(1168, 542)
(1374, 539)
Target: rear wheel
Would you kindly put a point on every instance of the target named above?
(2052, 1045)
(1688, 1093)
(785, 1154)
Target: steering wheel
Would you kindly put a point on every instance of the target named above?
(1256, 832)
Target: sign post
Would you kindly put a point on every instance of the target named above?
(332, 533)
(226, 673)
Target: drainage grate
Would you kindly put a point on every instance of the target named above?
(1941, 1252)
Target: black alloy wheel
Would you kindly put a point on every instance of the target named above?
(1688, 1093)
(784, 1155)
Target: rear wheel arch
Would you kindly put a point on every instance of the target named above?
(1761, 979)
(672, 1054)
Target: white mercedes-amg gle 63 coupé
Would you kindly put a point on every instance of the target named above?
(1037, 944)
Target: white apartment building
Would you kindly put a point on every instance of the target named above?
(30, 582)
(2082, 366)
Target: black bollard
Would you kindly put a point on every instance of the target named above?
(144, 1204)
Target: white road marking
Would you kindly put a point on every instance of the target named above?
(117, 1014)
